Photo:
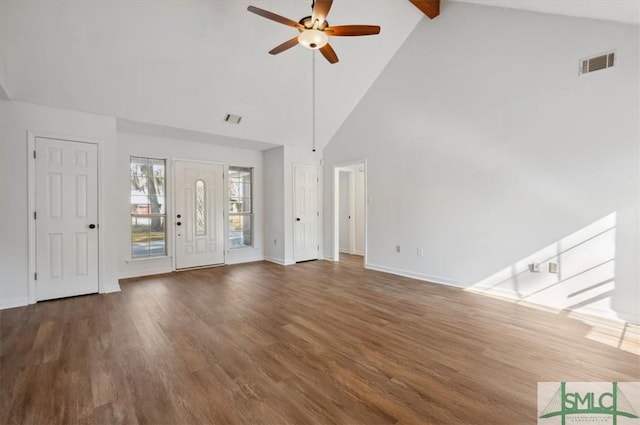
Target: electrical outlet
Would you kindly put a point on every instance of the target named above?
(420, 252)
(534, 267)
(397, 248)
(553, 268)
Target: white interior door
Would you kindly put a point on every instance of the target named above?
(66, 212)
(199, 219)
(305, 225)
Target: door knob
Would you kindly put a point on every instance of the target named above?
(92, 226)
(297, 218)
(179, 216)
(178, 224)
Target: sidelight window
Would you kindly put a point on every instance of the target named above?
(240, 207)
(148, 207)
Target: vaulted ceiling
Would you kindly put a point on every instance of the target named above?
(185, 64)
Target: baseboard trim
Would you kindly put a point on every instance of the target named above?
(111, 289)
(141, 273)
(628, 317)
(494, 292)
(417, 276)
(243, 261)
(278, 261)
(13, 303)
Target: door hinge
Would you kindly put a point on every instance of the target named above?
(318, 248)
(34, 154)
(35, 215)
(35, 276)
(317, 213)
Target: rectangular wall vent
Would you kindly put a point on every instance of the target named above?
(597, 63)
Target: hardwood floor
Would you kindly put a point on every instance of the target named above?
(314, 343)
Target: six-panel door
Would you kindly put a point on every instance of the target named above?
(66, 225)
(305, 225)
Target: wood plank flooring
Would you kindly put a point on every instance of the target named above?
(313, 343)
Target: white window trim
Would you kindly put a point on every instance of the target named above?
(251, 214)
(166, 255)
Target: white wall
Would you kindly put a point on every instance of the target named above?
(144, 145)
(299, 156)
(279, 163)
(484, 146)
(16, 119)
(274, 216)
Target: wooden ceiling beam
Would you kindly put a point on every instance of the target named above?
(431, 8)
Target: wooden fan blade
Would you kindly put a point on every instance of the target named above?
(284, 46)
(431, 8)
(321, 10)
(330, 54)
(273, 17)
(352, 30)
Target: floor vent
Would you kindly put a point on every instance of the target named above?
(597, 63)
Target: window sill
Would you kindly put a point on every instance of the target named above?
(148, 259)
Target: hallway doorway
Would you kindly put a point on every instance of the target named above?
(349, 211)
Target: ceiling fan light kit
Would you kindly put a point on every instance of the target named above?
(313, 39)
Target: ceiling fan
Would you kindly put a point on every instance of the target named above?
(315, 30)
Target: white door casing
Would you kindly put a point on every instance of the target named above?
(346, 219)
(360, 206)
(305, 210)
(359, 199)
(66, 218)
(199, 214)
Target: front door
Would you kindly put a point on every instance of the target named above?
(66, 218)
(305, 226)
(199, 220)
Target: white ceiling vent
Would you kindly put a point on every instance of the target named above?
(597, 63)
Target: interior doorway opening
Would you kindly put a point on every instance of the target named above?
(350, 212)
